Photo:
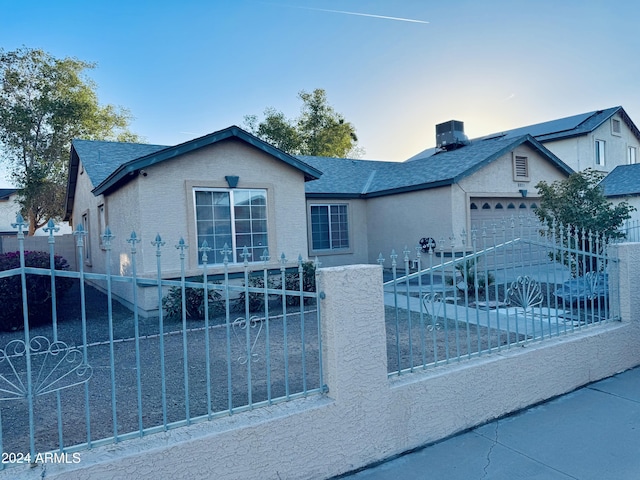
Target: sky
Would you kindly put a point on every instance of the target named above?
(392, 68)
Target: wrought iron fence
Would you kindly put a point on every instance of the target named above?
(506, 286)
(98, 372)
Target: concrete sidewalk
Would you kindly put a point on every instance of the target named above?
(591, 433)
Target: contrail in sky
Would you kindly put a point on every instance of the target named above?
(365, 15)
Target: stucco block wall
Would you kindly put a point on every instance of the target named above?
(366, 417)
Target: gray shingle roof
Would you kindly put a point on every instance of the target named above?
(109, 164)
(623, 181)
(100, 159)
(367, 178)
(558, 129)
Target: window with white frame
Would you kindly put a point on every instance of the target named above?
(86, 242)
(233, 217)
(329, 227)
(102, 223)
(600, 152)
(632, 155)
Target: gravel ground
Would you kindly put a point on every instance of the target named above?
(228, 385)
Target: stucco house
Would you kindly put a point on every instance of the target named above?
(386, 205)
(230, 187)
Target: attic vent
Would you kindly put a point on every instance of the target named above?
(520, 168)
(450, 135)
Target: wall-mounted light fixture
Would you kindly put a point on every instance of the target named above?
(523, 193)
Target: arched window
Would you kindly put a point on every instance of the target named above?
(511, 206)
(523, 205)
(499, 206)
(473, 206)
(486, 206)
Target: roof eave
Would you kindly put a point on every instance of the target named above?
(72, 180)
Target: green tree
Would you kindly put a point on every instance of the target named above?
(45, 103)
(582, 217)
(318, 131)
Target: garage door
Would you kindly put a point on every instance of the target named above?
(489, 212)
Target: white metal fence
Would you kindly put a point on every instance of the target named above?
(89, 371)
(506, 288)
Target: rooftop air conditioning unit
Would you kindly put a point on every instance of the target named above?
(450, 135)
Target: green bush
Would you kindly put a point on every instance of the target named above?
(292, 282)
(194, 302)
(38, 290)
(467, 270)
(256, 299)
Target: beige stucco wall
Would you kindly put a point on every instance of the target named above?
(396, 221)
(497, 180)
(579, 152)
(366, 417)
(161, 202)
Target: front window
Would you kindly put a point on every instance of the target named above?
(600, 152)
(236, 218)
(631, 155)
(329, 227)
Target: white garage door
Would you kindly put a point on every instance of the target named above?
(487, 212)
(499, 213)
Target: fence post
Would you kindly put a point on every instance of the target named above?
(624, 286)
(353, 333)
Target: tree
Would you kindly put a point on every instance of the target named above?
(45, 103)
(582, 217)
(318, 131)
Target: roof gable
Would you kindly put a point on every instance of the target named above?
(120, 174)
(110, 164)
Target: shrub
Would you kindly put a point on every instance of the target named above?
(467, 271)
(194, 302)
(292, 282)
(256, 299)
(38, 290)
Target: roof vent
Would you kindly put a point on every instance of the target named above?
(450, 135)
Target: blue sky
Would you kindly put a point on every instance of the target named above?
(188, 68)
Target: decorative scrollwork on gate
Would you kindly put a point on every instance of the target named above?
(241, 324)
(433, 305)
(525, 293)
(54, 366)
